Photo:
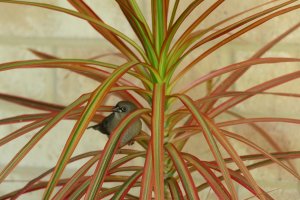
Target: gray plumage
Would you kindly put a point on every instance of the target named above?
(110, 122)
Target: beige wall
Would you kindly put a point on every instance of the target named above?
(25, 27)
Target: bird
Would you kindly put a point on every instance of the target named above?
(109, 123)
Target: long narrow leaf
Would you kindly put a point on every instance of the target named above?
(232, 37)
(224, 85)
(256, 147)
(265, 135)
(123, 190)
(175, 190)
(25, 118)
(82, 7)
(147, 176)
(82, 16)
(108, 152)
(31, 103)
(90, 109)
(232, 152)
(157, 138)
(210, 141)
(258, 88)
(68, 187)
(141, 32)
(236, 176)
(182, 170)
(38, 136)
(237, 66)
(235, 25)
(214, 182)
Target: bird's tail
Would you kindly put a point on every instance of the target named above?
(95, 127)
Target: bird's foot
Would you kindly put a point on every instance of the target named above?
(131, 142)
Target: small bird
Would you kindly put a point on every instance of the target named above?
(110, 122)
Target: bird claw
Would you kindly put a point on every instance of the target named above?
(131, 142)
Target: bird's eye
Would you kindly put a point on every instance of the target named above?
(124, 109)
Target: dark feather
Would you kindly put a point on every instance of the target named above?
(103, 126)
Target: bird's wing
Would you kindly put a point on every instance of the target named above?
(104, 128)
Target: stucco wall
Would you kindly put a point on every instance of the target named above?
(24, 27)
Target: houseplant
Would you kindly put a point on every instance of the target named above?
(157, 60)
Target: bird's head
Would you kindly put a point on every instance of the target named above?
(124, 107)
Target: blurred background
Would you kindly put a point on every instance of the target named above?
(24, 27)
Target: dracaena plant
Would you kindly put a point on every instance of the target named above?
(159, 57)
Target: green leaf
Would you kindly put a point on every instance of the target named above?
(187, 101)
(140, 30)
(174, 189)
(147, 176)
(232, 152)
(213, 181)
(90, 109)
(230, 38)
(258, 88)
(38, 136)
(69, 186)
(83, 8)
(159, 22)
(31, 103)
(266, 154)
(157, 138)
(237, 66)
(183, 172)
(23, 130)
(97, 22)
(231, 79)
(123, 190)
(108, 153)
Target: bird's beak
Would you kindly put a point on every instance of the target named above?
(117, 109)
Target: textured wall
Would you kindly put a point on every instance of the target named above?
(25, 27)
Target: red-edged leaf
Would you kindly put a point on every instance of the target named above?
(69, 186)
(147, 176)
(82, 7)
(232, 37)
(117, 163)
(31, 183)
(224, 85)
(213, 181)
(263, 134)
(94, 102)
(174, 10)
(256, 147)
(232, 152)
(23, 130)
(159, 23)
(236, 176)
(174, 28)
(234, 26)
(257, 120)
(38, 136)
(258, 88)
(39, 186)
(187, 101)
(183, 172)
(108, 153)
(196, 23)
(31, 103)
(125, 169)
(25, 118)
(90, 19)
(124, 189)
(157, 138)
(236, 66)
(175, 190)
